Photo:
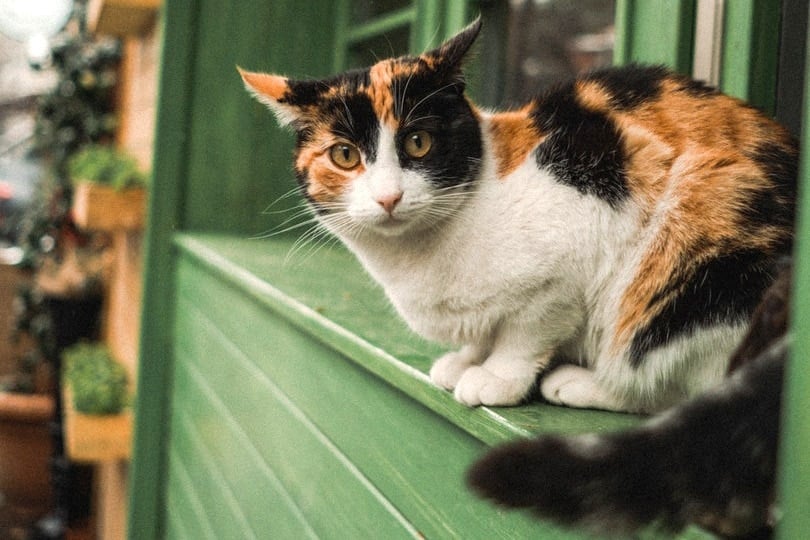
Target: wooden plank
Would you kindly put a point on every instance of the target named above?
(414, 456)
(655, 32)
(250, 483)
(169, 169)
(311, 468)
(218, 499)
(185, 509)
(751, 51)
(241, 500)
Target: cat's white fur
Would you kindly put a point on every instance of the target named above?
(514, 271)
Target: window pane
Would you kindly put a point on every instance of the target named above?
(529, 45)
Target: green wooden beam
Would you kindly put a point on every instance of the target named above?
(165, 215)
(380, 25)
(342, 20)
(795, 459)
(751, 51)
(655, 32)
(427, 30)
(456, 17)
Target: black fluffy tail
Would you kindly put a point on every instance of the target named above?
(710, 461)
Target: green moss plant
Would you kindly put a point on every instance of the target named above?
(103, 164)
(98, 383)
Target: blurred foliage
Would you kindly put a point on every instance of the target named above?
(77, 112)
(107, 166)
(98, 383)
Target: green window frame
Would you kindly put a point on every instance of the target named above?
(428, 23)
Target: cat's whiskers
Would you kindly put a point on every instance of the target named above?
(400, 103)
(313, 240)
(294, 192)
(412, 121)
(284, 227)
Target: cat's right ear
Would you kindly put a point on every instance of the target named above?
(275, 92)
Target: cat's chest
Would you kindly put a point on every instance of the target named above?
(454, 298)
(457, 288)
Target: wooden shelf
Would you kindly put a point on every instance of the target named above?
(96, 438)
(102, 208)
(122, 17)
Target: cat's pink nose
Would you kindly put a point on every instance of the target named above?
(389, 201)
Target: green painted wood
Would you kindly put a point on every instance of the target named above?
(751, 51)
(655, 32)
(250, 482)
(184, 505)
(313, 470)
(231, 456)
(795, 458)
(405, 450)
(165, 210)
(456, 16)
(380, 25)
(219, 501)
(342, 23)
(236, 146)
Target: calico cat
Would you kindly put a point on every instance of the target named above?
(710, 461)
(627, 221)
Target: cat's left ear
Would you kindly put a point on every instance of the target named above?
(274, 91)
(448, 58)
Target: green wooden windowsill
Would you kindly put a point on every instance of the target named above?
(329, 296)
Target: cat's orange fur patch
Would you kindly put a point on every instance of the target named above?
(514, 136)
(379, 92)
(272, 86)
(326, 180)
(592, 95)
(699, 198)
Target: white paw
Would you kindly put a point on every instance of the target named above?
(478, 386)
(448, 369)
(574, 386)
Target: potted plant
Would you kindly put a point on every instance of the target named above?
(109, 189)
(98, 422)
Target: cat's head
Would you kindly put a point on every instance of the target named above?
(387, 149)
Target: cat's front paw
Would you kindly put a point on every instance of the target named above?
(479, 386)
(448, 369)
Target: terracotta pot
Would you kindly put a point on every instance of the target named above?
(25, 453)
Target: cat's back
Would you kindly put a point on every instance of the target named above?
(621, 133)
(709, 181)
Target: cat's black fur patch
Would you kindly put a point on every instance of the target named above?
(457, 147)
(776, 206)
(306, 92)
(582, 148)
(630, 85)
(710, 461)
(716, 291)
(355, 119)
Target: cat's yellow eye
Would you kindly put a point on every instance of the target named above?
(345, 155)
(418, 143)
